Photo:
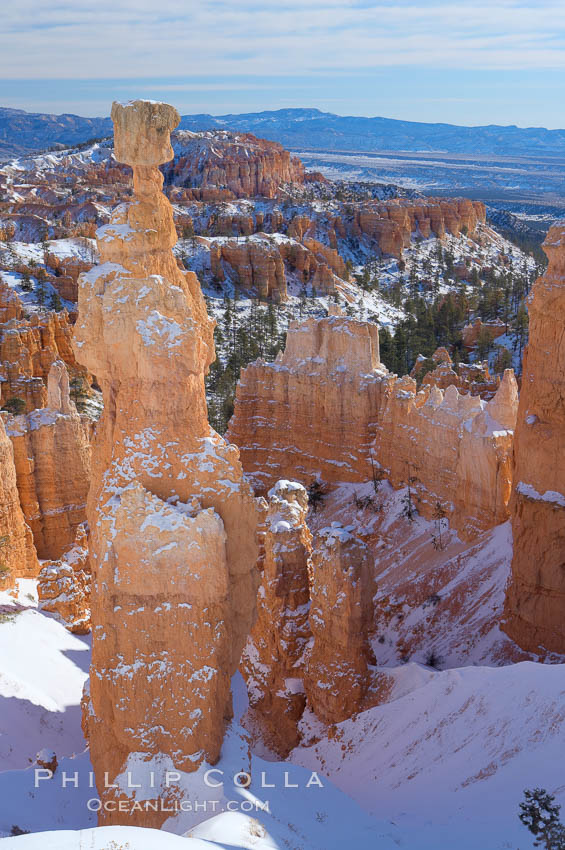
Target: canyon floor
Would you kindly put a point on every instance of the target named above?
(414, 772)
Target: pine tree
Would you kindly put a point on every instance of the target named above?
(78, 390)
(40, 293)
(14, 405)
(484, 343)
(316, 494)
(26, 283)
(540, 814)
(520, 330)
(408, 508)
(439, 517)
(55, 302)
(386, 348)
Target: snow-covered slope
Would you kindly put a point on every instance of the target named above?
(106, 838)
(449, 760)
(446, 602)
(442, 765)
(42, 672)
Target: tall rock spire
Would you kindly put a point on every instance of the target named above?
(173, 522)
(535, 601)
(273, 660)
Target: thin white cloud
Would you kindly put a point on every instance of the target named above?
(203, 38)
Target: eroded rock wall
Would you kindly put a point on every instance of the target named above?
(52, 460)
(391, 224)
(535, 602)
(223, 165)
(337, 675)
(312, 413)
(327, 409)
(452, 449)
(273, 660)
(18, 558)
(258, 266)
(28, 348)
(64, 585)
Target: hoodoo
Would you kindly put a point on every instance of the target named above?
(18, 557)
(341, 618)
(52, 458)
(173, 523)
(536, 596)
(273, 660)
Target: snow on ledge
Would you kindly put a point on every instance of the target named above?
(551, 496)
(104, 837)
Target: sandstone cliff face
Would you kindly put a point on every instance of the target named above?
(474, 378)
(327, 256)
(313, 412)
(63, 587)
(310, 646)
(173, 523)
(273, 660)
(473, 330)
(10, 304)
(325, 280)
(326, 409)
(536, 596)
(18, 558)
(452, 448)
(258, 266)
(391, 223)
(341, 619)
(28, 348)
(219, 165)
(67, 271)
(52, 459)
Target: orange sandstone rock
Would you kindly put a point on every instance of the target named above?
(273, 660)
(258, 265)
(142, 132)
(536, 596)
(452, 448)
(472, 331)
(18, 558)
(64, 586)
(341, 618)
(470, 377)
(311, 413)
(67, 271)
(327, 256)
(299, 226)
(10, 304)
(392, 223)
(299, 258)
(173, 522)
(221, 165)
(52, 459)
(28, 348)
(327, 409)
(324, 280)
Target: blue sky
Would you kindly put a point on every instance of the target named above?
(440, 60)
